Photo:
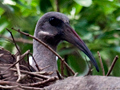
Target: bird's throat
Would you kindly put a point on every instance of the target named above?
(44, 58)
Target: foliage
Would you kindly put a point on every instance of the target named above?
(96, 21)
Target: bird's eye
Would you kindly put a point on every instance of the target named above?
(55, 21)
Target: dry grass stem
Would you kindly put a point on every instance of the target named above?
(102, 67)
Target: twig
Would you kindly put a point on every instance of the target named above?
(102, 67)
(46, 47)
(62, 68)
(59, 76)
(44, 73)
(25, 67)
(35, 62)
(8, 87)
(13, 40)
(112, 65)
(1, 55)
(13, 85)
(2, 82)
(22, 56)
(43, 82)
(75, 74)
(31, 73)
(29, 88)
(18, 69)
(21, 40)
(8, 84)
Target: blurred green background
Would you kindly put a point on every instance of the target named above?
(96, 21)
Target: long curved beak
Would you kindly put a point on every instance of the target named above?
(72, 37)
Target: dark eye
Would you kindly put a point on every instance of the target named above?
(55, 21)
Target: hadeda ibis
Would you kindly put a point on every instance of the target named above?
(52, 28)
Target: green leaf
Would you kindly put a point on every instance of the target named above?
(3, 26)
(1, 11)
(85, 3)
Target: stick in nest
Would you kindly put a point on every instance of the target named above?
(35, 62)
(62, 68)
(14, 41)
(36, 74)
(43, 82)
(18, 69)
(112, 65)
(102, 67)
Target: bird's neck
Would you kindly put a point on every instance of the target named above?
(44, 57)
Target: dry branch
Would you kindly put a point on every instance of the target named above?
(38, 68)
(62, 68)
(43, 82)
(14, 41)
(32, 74)
(20, 40)
(112, 65)
(102, 67)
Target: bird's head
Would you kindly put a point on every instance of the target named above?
(54, 27)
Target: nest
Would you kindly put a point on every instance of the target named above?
(17, 74)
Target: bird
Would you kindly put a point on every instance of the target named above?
(52, 28)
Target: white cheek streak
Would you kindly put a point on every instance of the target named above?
(44, 33)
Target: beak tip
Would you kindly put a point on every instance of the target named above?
(97, 69)
(95, 64)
